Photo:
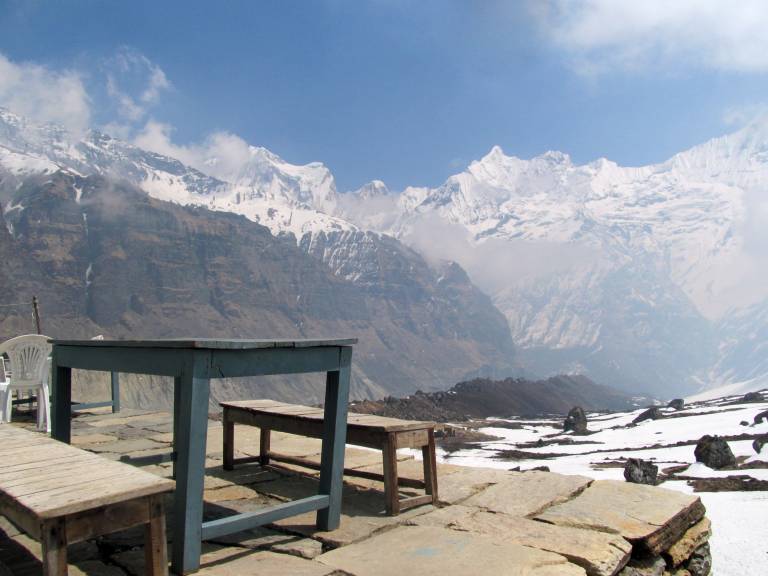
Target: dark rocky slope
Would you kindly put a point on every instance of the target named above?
(483, 398)
(105, 258)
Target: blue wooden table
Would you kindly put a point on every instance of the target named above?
(192, 364)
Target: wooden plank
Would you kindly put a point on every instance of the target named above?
(412, 438)
(412, 502)
(155, 550)
(20, 516)
(429, 459)
(265, 439)
(54, 542)
(103, 520)
(271, 408)
(70, 500)
(298, 461)
(34, 467)
(88, 481)
(390, 476)
(229, 442)
(68, 471)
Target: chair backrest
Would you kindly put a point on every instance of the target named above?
(29, 359)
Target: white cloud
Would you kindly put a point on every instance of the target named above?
(600, 35)
(45, 95)
(221, 154)
(134, 83)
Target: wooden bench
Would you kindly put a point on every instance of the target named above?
(385, 434)
(59, 494)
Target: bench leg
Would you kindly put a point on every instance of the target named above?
(229, 442)
(265, 436)
(54, 541)
(390, 475)
(155, 549)
(430, 467)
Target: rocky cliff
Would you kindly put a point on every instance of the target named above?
(106, 258)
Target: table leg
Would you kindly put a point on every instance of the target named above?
(176, 408)
(61, 412)
(114, 384)
(334, 438)
(189, 441)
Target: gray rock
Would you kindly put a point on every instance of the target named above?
(640, 471)
(653, 566)
(700, 563)
(576, 421)
(714, 452)
(753, 397)
(761, 416)
(760, 442)
(653, 413)
(677, 404)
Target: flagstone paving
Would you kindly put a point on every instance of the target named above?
(489, 521)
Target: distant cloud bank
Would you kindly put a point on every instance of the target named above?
(603, 35)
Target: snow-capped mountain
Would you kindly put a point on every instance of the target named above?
(284, 197)
(30, 148)
(623, 273)
(615, 271)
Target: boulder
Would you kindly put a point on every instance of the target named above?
(753, 397)
(761, 416)
(700, 563)
(760, 442)
(653, 413)
(640, 472)
(576, 421)
(677, 404)
(714, 452)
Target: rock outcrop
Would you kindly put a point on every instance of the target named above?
(714, 452)
(640, 472)
(677, 404)
(652, 413)
(576, 421)
(753, 397)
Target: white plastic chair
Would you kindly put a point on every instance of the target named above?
(30, 369)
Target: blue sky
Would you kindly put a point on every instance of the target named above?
(406, 92)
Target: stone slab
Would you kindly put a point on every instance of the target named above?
(432, 551)
(125, 446)
(247, 562)
(232, 492)
(262, 538)
(697, 535)
(85, 440)
(599, 553)
(362, 514)
(457, 484)
(651, 517)
(528, 493)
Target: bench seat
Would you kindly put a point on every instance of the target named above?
(59, 495)
(377, 432)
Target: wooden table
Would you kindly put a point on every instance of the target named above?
(192, 364)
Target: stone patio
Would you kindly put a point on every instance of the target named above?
(488, 522)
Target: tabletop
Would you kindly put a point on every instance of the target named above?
(209, 343)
